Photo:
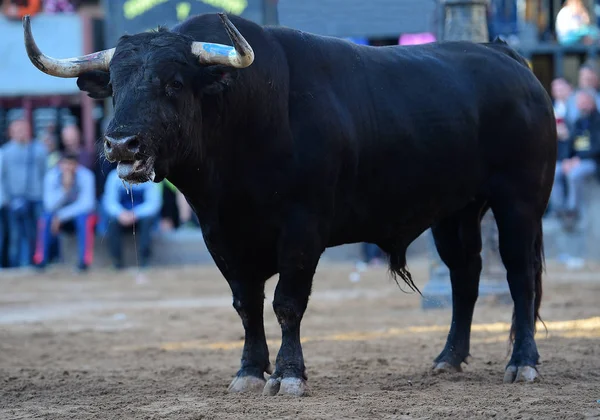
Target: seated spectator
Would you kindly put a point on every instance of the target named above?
(69, 201)
(578, 159)
(136, 206)
(574, 25)
(70, 137)
(23, 168)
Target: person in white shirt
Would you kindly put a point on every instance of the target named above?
(573, 24)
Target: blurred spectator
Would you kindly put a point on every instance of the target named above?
(23, 170)
(69, 201)
(587, 79)
(561, 92)
(588, 76)
(16, 9)
(579, 159)
(372, 253)
(58, 6)
(186, 213)
(3, 230)
(574, 25)
(176, 211)
(70, 137)
(136, 206)
(169, 213)
(51, 143)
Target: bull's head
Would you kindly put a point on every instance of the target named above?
(155, 79)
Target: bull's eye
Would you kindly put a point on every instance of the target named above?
(175, 85)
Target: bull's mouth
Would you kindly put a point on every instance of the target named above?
(136, 171)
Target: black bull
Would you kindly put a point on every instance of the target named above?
(320, 142)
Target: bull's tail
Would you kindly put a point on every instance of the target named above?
(397, 268)
(539, 264)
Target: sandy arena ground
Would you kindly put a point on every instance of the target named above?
(110, 346)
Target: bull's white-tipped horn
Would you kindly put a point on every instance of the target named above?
(66, 67)
(239, 56)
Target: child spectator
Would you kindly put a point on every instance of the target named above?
(136, 206)
(69, 201)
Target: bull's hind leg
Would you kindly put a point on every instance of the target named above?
(458, 241)
(520, 240)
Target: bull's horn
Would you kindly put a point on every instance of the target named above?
(239, 56)
(67, 67)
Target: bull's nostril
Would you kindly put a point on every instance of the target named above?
(133, 145)
(107, 144)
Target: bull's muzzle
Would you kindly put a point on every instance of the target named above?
(121, 149)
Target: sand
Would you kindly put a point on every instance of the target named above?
(166, 345)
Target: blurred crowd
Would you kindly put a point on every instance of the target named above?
(16, 9)
(578, 128)
(49, 186)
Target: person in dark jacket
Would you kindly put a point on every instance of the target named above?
(578, 156)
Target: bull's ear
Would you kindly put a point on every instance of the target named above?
(218, 78)
(96, 83)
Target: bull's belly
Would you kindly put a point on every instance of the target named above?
(393, 222)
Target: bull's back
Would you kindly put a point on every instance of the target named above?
(424, 97)
(417, 131)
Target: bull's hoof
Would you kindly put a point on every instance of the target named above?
(295, 387)
(445, 367)
(527, 374)
(246, 384)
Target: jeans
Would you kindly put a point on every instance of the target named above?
(48, 244)
(574, 181)
(143, 229)
(22, 233)
(3, 239)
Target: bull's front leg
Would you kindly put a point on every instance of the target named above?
(300, 250)
(248, 301)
